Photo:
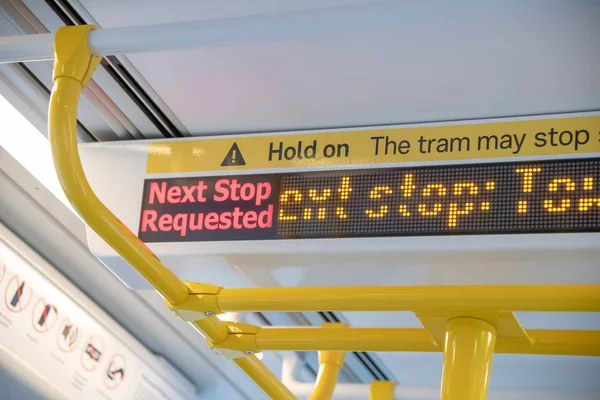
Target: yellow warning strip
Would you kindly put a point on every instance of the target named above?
(489, 140)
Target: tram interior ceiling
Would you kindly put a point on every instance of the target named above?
(344, 199)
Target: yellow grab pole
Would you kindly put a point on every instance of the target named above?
(74, 65)
(330, 364)
(584, 298)
(546, 342)
(63, 142)
(382, 390)
(468, 352)
(264, 377)
(350, 339)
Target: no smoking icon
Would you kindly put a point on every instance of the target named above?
(44, 316)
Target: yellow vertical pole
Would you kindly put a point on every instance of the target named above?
(468, 355)
(382, 390)
(330, 364)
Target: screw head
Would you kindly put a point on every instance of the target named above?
(249, 352)
(210, 313)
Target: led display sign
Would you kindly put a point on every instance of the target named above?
(500, 198)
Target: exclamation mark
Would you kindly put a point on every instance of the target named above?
(233, 155)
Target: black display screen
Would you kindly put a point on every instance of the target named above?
(500, 198)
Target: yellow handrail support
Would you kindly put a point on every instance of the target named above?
(74, 65)
(468, 354)
(330, 364)
(201, 302)
(546, 342)
(560, 298)
(239, 341)
(382, 390)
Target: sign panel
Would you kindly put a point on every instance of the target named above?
(54, 336)
(240, 208)
(501, 198)
(487, 140)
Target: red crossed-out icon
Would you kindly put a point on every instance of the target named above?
(92, 353)
(68, 333)
(115, 372)
(44, 316)
(17, 295)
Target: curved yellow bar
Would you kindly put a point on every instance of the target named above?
(62, 123)
(74, 64)
(468, 356)
(330, 364)
(382, 390)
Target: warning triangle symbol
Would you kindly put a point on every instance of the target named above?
(234, 157)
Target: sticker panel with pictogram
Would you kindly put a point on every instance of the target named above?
(91, 353)
(44, 316)
(115, 373)
(68, 333)
(17, 295)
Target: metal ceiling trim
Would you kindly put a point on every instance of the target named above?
(125, 75)
(94, 115)
(106, 110)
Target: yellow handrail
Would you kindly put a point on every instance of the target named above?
(382, 390)
(545, 342)
(330, 364)
(559, 298)
(70, 73)
(74, 64)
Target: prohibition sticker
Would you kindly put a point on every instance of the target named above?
(115, 372)
(18, 294)
(44, 316)
(68, 333)
(92, 353)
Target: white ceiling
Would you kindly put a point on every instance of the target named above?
(442, 61)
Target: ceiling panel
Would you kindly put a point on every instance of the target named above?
(443, 61)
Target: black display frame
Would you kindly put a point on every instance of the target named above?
(278, 180)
